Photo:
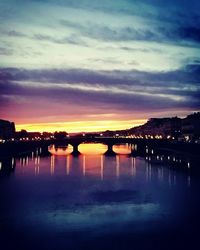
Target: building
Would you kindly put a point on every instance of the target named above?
(7, 130)
(159, 128)
(191, 127)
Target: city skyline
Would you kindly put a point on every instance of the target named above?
(95, 66)
(156, 125)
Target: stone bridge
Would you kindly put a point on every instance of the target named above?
(138, 146)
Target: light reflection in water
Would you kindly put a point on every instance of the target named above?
(122, 149)
(99, 165)
(148, 170)
(60, 150)
(117, 165)
(92, 148)
(89, 149)
(13, 162)
(85, 191)
(52, 164)
(92, 165)
(133, 166)
(84, 165)
(67, 164)
(102, 166)
(174, 179)
(189, 181)
(169, 179)
(37, 165)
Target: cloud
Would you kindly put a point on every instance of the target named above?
(13, 33)
(107, 33)
(143, 30)
(173, 27)
(71, 39)
(5, 51)
(188, 74)
(116, 90)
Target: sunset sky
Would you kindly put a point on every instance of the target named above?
(91, 65)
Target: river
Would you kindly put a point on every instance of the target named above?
(97, 201)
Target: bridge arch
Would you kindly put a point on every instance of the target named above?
(122, 148)
(60, 150)
(94, 148)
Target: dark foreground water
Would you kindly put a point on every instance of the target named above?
(97, 202)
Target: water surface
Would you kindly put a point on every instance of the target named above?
(94, 201)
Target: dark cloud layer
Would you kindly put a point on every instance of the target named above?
(133, 90)
(189, 74)
(168, 22)
(177, 28)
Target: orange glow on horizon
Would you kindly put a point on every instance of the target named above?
(80, 126)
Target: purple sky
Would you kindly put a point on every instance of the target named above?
(95, 65)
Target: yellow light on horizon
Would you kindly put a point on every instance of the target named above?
(81, 126)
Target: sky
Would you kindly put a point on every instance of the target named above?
(91, 65)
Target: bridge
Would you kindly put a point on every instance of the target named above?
(18, 147)
(138, 146)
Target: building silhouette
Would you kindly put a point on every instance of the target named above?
(7, 129)
(159, 127)
(191, 127)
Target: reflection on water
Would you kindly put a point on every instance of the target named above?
(62, 193)
(60, 150)
(122, 149)
(61, 162)
(92, 148)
